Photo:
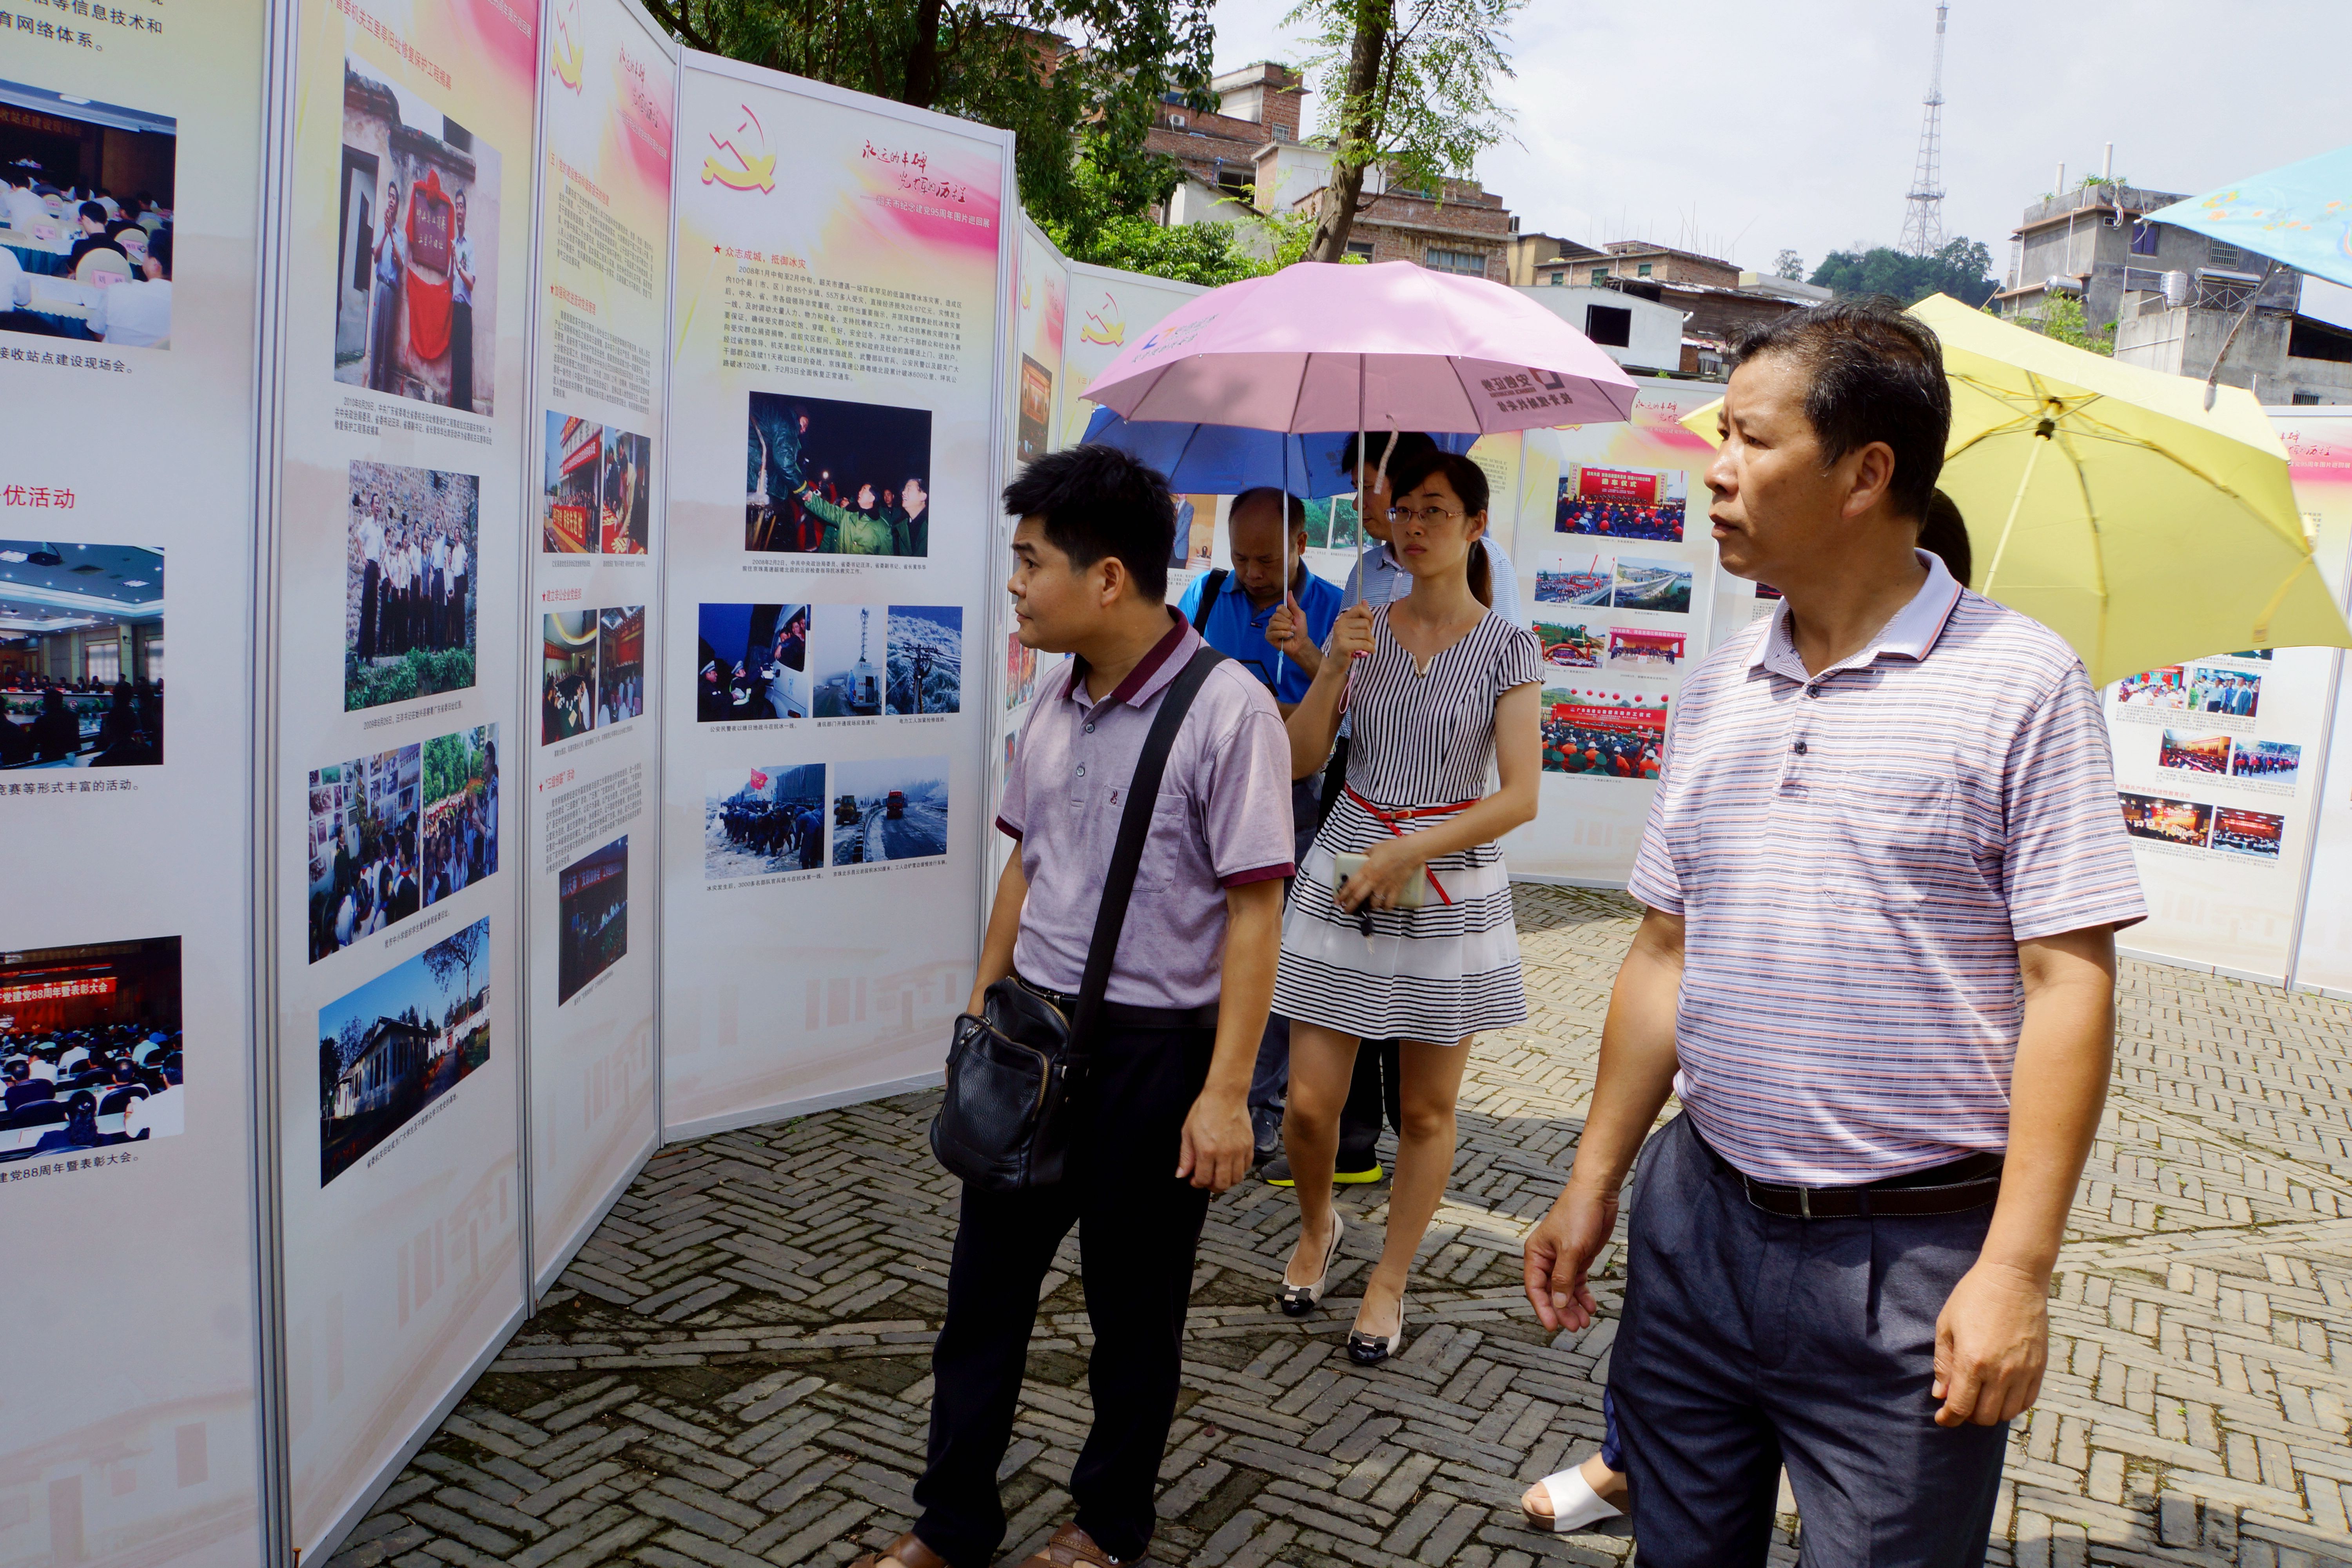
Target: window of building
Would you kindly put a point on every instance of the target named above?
(2307, 400)
(1469, 263)
(1558, 278)
(1641, 270)
(1282, 133)
(2229, 258)
(1610, 326)
(1362, 248)
(1599, 275)
(103, 661)
(1237, 183)
(2143, 240)
(152, 653)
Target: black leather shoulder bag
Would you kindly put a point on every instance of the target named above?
(1013, 1071)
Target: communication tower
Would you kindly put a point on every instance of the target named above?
(864, 685)
(1923, 215)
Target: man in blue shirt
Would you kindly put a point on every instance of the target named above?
(1244, 613)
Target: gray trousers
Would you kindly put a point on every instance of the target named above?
(1750, 1340)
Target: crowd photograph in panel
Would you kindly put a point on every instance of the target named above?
(2182, 822)
(567, 682)
(82, 655)
(592, 906)
(620, 664)
(891, 808)
(89, 1046)
(926, 658)
(2193, 753)
(764, 819)
(87, 204)
(1603, 733)
(2269, 761)
(826, 477)
(409, 589)
(2166, 690)
(1641, 650)
(1623, 503)
(416, 252)
(750, 662)
(1580, 580)
(396, 1045)
(2258, 834)
(461, 844)
(365, 863)
(1571, 647)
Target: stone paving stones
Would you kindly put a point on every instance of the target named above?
(733, 1373)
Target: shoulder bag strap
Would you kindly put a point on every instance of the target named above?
(1209, 592)
(1134, 828)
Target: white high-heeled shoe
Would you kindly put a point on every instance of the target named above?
(1297, 1300)
(1574, 1504)
(1371, 1350)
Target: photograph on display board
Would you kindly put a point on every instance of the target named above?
(1331, 524)
(892, 808)
(400, 1042)
(1036, 412)
(1622, 503)
(592, 907)
(620, 664)
(2164, 690)
(415, 257)
(1662, 586)
(364, 855)
(2258, 834)
(1640, 650)
(845, 660)
(2228, 692)
(461, 811)
(925, 673)
(760, 820)
(86, 204)
(625, 504)
(572, 486)
(751, 662)
(567, 679)
(1020, 670)
(836, 478)
(409, 583)
(82, 655)
(1602, 734)
(1196, 534)
(2265, 762)
(1569, 646)
(1581, 580)
(2183, 822)
(2193, 753)
(89, 1046)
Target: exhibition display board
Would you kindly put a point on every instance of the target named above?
(129, 1403)
(2319, 449)
(838, 340)
(401, 298)
(593, 629)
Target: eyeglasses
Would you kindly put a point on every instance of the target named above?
(1428, 516)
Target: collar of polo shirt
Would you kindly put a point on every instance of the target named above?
(1910, 633)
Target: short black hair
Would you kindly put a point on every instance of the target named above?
(92, 211)
(1410, 444)
(1876, 373)
(1944, 533)
(1096, 500)
(1294, 511)
(1468, 479)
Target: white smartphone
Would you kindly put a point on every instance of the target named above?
(1345, 865)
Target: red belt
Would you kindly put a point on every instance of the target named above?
(1389, 819)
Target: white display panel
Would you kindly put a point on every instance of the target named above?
(2319, 450)
(129, 1425)
(837, 392)
(591, 636)
(404, 393)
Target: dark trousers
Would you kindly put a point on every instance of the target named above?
(369, 580)
(1137, 1230)
(461, 356)
(1750, 1340)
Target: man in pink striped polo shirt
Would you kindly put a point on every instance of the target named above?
(1883, 871)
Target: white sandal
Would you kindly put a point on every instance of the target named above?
(1574, 1505)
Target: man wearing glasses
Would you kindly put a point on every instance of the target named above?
(1247, 614)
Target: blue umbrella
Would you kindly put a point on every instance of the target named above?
(1226, 459)
(2300, 217)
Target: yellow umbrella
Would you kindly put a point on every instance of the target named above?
(2108, 504)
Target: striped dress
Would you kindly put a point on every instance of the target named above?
(1444, 971)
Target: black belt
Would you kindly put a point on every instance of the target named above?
(1124, 1015)
(1968, 1182)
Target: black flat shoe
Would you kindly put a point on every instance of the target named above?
(1297, 1300)
(1371, 1350)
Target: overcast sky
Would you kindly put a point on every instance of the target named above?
(1739, 129)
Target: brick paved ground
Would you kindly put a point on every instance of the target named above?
(733, 1373)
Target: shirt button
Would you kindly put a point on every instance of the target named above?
(1810, 691)
(1799, 748)
(1082, 768)
(1090, 729)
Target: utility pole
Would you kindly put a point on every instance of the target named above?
(1922, 216)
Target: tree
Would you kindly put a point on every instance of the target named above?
(1407, 86)
(1788, 265)
(1077, 81)
(2062, 319)
(457, 955)
(1962, 268)
(1206, 253)
(448, 764)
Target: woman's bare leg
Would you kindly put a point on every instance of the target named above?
(1430, 1080)
(1322, 1061)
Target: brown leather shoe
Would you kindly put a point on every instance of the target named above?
(907, 1551)
(1074, 1548)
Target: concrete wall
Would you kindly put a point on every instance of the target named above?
(1657, 330)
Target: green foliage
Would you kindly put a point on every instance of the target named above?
(1206, 253)
(418, 673)
(451, 763)
(1963, 269)
(2062, 319)
(1079, 114)
(1788, 265)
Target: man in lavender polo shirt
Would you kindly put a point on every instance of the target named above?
(1883, 870)
(1163, 1119)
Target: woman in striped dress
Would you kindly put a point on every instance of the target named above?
(1443, 693)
